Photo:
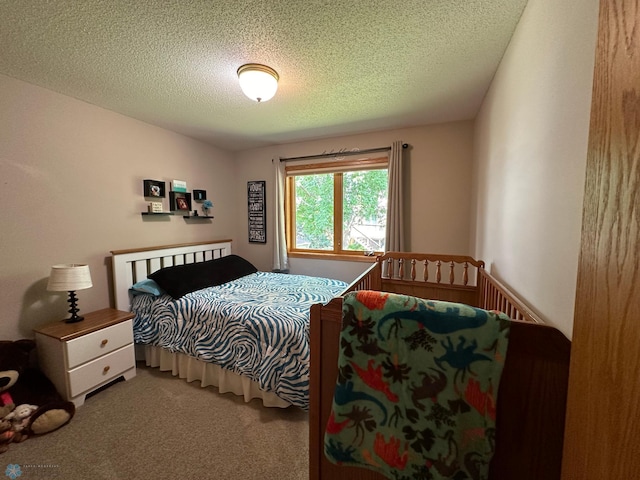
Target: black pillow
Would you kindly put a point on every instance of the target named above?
(182, 279)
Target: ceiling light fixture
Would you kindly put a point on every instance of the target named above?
(258, 82)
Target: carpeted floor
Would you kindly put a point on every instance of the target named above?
(157, 426)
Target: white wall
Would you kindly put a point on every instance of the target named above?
(530, 156)
(72, 175)
(71, 192)
(438, 168)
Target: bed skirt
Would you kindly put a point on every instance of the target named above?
(190, 369)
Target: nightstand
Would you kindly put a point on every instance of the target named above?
(81, 357)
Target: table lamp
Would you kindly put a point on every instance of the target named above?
(69, 278)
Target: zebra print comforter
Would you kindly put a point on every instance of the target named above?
(256, 326)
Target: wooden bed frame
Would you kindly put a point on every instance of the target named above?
(533, 386)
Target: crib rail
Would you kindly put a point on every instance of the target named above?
(493, 295)
(454, 278)
(369, 280)
(427, 268)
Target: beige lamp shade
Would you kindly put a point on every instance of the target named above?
(69, 277)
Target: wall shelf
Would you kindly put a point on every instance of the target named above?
(156, 213)
(197, 216)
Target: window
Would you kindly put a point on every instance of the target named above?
(337, 207)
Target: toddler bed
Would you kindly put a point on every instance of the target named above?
(531, 403)
(206, 314)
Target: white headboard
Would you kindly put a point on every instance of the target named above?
(131, 266)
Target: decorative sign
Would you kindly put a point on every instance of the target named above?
(179, 186)
(256, 195)
(155, 207)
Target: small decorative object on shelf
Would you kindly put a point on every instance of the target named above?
(179, 186)
(180, 201)
(153, 188)
(155, 207)
(207, 205)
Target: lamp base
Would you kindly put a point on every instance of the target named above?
(74, 309)
(74, 319)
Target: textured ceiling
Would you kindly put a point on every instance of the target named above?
(345, 66)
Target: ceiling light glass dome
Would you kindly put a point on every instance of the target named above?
(258, 82)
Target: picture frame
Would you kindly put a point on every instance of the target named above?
(179, 186)
(256, 198)
(199, 195)
(153, 188)
(180, 201)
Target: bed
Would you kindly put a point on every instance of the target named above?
(533, 386)
(209, 315)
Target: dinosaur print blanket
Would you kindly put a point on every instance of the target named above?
(417, 387)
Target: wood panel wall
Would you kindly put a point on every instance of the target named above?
(603, 413)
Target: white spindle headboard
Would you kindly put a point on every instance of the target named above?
(131, 266)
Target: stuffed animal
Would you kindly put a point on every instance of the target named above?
(6, 435)
(19, 419)
(26, 384)
(6, 402)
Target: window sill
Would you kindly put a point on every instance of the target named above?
(334, 256)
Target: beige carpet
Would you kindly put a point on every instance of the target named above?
(157, 426)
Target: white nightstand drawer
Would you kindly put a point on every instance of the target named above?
(96, 344)
(101, 370)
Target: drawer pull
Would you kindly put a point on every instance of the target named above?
(105, 370)
(104, 342)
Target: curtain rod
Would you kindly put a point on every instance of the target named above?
(341, 154)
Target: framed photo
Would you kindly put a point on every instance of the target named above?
(153, 188)
(180, 201)
(199, 195)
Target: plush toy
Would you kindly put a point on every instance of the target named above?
(6, 402)
(19, 419)
(23, 384)
(6, 435)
